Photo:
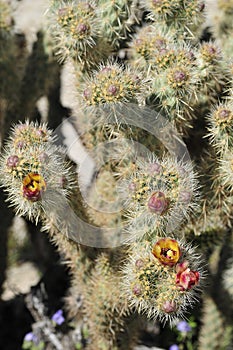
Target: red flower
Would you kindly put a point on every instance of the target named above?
(186, 278)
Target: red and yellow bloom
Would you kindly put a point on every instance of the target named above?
(167, 251)
(33, 186)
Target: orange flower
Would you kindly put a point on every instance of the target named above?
(167, 251)
(186, 278)
(33, 186)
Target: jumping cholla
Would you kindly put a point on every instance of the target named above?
(152, 102)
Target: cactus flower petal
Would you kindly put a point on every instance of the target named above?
(33, 186)
(167, 251)
(186, 278)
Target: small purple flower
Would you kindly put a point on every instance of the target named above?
(58, 317)
(174, 347)
(20, 144)
(82, 28)
(138, 42)
(224, 113)
(183, 327)
(30, 337)
(106, 69)
(87, 94)
(139, 263)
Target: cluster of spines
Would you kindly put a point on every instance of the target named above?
(221, 126)
(89, 31)
(116, 20)
(146, 43)
(220, 131)
(158, 194)
(74, 27)
(111, 84)
(182, 16)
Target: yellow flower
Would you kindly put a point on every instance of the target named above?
(167, 251)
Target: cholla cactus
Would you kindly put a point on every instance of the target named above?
(211, 66)
(106, 307)
(111, 84)
(221, 126)
(147, 42)
(75, 28)
(159, 194)
(180, 15)
(33, 171)
(214, 332)
(219, 19)
(116, 18)
(161, 278)
(143, 70)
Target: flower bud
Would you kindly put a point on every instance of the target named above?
(158, 203)
(169, 306)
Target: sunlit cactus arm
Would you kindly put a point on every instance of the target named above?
(213, 73)
(221, 126)
(104, 307)
(184, 17)
(116, 18)
(111, 84)
(75, 30)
